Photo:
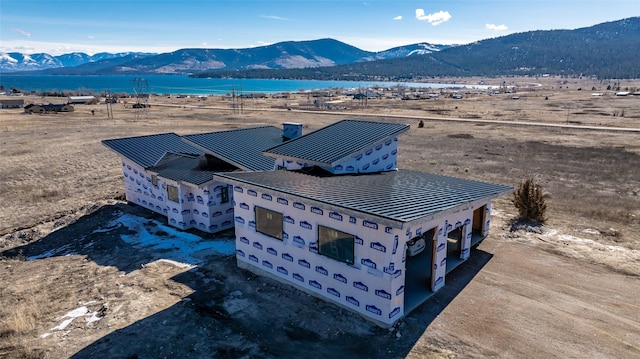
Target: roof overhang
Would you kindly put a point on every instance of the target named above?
(385, 220)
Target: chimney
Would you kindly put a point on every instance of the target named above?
(291, 130)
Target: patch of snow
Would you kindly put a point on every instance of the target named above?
(63, 324)
(51, 253)
(93, 318)
(171, 243)
(108, 229)
(70, 316)
(78, 312)
(177, 264)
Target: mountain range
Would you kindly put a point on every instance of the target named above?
(283, 55)
(16, 61)
(607, 50)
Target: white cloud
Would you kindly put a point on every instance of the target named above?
(273, 17)
(91, 37)
(22, 32)
(435, 18)
(496, 27)
(399, 17)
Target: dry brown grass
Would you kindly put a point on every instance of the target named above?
(21, 315)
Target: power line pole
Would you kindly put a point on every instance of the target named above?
(108, 100)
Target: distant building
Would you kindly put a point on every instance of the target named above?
(11, 103)
(82, 100)
(50, 108)
(367, 94)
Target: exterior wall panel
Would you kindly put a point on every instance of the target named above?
(199, 208)
(380, 157)
(372, 286)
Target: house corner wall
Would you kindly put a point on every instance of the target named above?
(200, 208)
(373, 286)
(138, 188)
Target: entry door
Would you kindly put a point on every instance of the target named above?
(478, 220)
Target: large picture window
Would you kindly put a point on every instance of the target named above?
(172, 193)
(336, 244)
(269, 222)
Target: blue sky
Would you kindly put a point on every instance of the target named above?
(62, 26)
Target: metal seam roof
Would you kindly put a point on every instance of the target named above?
(182, 169)
(401, 195)
(146, 151)
(243, 147)
(339, 140)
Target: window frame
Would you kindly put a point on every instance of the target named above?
(171, 188)
(260, 227)
(338, 257)
(154, 180)
(224, 194)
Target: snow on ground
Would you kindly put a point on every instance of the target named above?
(171, 243)
(64, 250)
(70, 316)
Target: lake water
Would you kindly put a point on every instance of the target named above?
(183, 84)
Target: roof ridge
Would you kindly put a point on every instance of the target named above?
(141, 136)
(232, 130)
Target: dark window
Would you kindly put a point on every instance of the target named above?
(224, 194)
(454, 241)
(335, 244)
(154, 180)
(172, 193)
(269, 222)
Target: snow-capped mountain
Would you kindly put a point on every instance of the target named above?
(422, 48)
(15, 61)
(290, 54)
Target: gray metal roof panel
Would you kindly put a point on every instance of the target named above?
(337, 141)
(182, 169)
(242, 147)
(401, 195)
(148, 150)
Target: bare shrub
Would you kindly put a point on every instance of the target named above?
(530, 202)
